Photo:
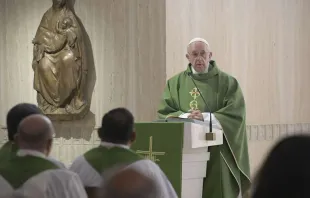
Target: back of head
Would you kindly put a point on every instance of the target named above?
(35, 132)
(117, 126)
(17, 114)
(285, 173)
(128, 183)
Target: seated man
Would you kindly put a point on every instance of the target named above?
(117, 134)
(30, 173)
(14, 117)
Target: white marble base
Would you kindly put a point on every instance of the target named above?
(194, 166)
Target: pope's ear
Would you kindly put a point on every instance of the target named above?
(187, 56)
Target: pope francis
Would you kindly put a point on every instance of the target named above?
(228, 170)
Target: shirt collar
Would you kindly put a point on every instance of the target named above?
(25, 152)
(111, 145)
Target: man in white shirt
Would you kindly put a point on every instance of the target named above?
(31, 173)
(117, 134)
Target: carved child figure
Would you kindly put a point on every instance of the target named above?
(66, 35)
(66, 27)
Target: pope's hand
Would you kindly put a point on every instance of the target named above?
(196, 114)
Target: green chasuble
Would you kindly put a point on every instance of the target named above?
(228, 169)
(18, 170)
(102, 158)
(7, 151)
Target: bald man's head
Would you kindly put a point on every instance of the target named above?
(128, 183)
(35, 132)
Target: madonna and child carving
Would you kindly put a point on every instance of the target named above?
(59, 65)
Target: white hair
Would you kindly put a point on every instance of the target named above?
(198, 40)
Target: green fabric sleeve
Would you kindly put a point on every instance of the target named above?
(168, 106)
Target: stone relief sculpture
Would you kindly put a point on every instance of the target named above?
(60, 69)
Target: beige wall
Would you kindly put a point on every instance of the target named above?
(2, 44)
(138, 44)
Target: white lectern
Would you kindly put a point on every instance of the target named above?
(197, 139)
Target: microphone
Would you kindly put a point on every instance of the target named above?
(210, 123)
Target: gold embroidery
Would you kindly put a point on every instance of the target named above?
(150, 154)
(195, 94)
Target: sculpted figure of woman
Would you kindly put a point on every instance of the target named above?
(59, 64)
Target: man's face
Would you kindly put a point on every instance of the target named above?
(199, 55)
(59, 3)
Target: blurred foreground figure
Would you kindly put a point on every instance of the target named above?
(285, 173)
(117, 134)
(30, 173)
(128, 183)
